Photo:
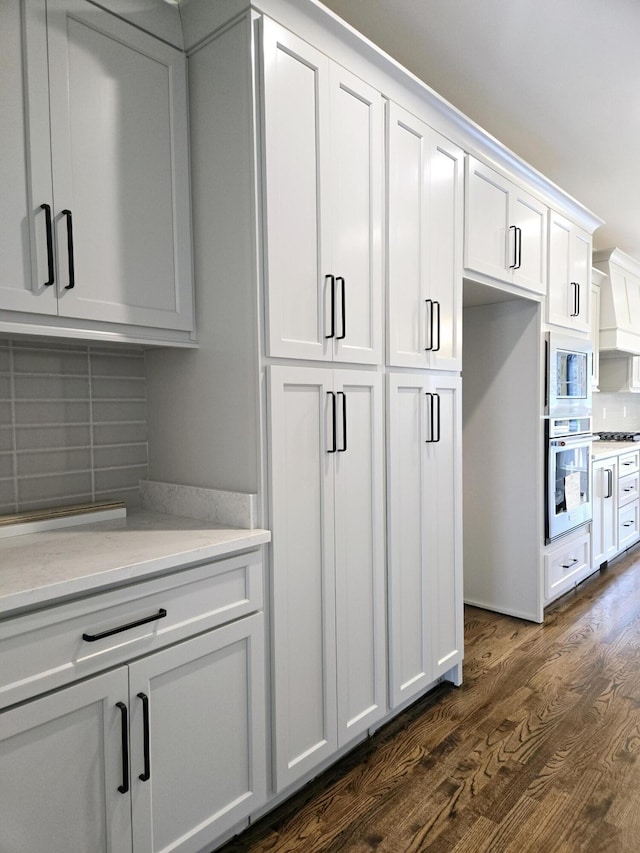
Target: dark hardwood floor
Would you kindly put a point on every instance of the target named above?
(537, 751)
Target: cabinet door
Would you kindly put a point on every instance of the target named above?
(359, 553)
(296, 137)
(302, 445)
(604, 526)
(205, 699)
(407, 258)
(569, 297)
(487, 235)
(25, 164)
(445, 230)
(424, 494)
(62, 765)
(530, 216)
(581, 277)
(356, 166)
(119, 156)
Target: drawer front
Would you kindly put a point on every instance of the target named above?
(628, 488)
(42, 651)
(566, 566)
(628, 525)
(629, 462)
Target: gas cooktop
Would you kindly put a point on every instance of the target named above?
(618, 436)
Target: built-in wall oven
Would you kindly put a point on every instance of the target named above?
(568, 435)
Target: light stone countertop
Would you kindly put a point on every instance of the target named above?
(43, 568)
(600, 449)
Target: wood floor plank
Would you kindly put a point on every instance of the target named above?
(538, 750)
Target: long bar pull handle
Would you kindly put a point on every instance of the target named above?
(609, 483)
(332, 309)
(334, 425)
(576, 298)
(144, 777)
(437, 325)
(568, 565)
(519, 248)
(344, 421)
(91, 638)
(343, 308)
(125, 747)
(49, 228)
(72, 273)
(429, 304)
(514, 265)
(434, 418)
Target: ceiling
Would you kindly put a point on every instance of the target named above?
(556, 81)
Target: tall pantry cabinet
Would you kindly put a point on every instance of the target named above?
(289, 170)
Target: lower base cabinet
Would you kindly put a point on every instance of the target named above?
(425, 549)
(604, 527)
(165, 754)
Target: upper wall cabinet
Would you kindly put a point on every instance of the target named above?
(425, 198)
(569, 302)
(324, 191)
(505, 230)
(97, 222)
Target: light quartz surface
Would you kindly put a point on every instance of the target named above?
(236, 509)
(601, 449)
(47, 567)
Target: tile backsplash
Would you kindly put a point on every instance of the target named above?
(73, 424)
(619, 411)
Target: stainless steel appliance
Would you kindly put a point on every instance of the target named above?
(618, 436)
(568, 475)
(568, 376)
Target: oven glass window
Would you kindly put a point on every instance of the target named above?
(571, 375)
(571, 478)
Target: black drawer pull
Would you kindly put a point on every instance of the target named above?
(91, 638)
(72, 273)
(47, 213)
(572, 563)
(628, 524)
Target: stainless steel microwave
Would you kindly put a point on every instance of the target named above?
(569, 366)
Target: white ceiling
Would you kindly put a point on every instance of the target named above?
(557, 81)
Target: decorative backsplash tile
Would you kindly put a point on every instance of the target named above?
(73, 424)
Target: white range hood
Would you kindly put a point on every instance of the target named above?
(619, 303)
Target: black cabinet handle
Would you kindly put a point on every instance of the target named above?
(334, 426)
(343, 308)
(144, 777)
(576, 298)
(519, 231)
(72, 274)
(344, 421)
(429, 304)
(49, 227)
(627, 524)
(332, 308)
(91, 638)
(572, 563)
(434, 418)
(437, 325)
(514, 265)
(125, 748)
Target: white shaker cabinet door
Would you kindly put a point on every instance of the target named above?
(201, 705)
(487, 221)
(425, 245)
(63, 764)
(569, 299)
(359, 552)
(27, 271)
(604, 527)
(119, 157)
(424, 507)
(356, 186)
(296, 139)
(529, 217)
(302, 445)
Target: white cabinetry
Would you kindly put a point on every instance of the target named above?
(594, 321)
(425, 221)
(326, 471)
(166, 751)
(566, 564)
(604, 527)
(105, 210)
(569, 299)
(505, 229)
(323, 140)
(425, 531)
(628, 500)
